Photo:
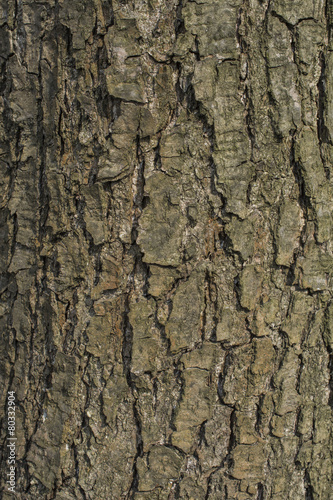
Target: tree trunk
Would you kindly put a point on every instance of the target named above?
(166, 249)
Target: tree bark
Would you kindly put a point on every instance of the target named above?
(166, 248)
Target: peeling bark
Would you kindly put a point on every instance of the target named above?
(165, 251)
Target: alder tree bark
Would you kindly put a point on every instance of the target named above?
(166, 248)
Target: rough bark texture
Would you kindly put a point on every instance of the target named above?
(166, 248)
